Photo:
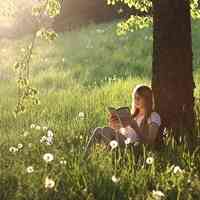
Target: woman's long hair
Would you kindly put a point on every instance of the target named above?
(145, 93)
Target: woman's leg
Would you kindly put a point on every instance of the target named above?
(105, 135)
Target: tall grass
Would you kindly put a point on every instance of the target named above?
(84, 72)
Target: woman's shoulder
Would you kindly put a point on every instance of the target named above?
(155, 117)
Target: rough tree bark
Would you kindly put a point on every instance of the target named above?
(172, 79)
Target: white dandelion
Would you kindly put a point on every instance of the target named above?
(49, 141)
(20, 146)
(49, 183)
(150, 160)
(113, 144)
(43, 139)
(158, 194)
(13, 149)
(177, 169)
(30, 169)
(49, 133)
(48, 157)
(81, 114)
(115, 179)
(44, 128)
(32, 126)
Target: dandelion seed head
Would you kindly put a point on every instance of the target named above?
(20, 146)
(43, 139)
(44, 128)
(177, 169)
(30, 169)
(49, 183)
(13, 149)
(113, 144)
(81, 114)
(158, 194)
(49, 141)
(48, 157)
(49, 133)
(150, 160)
(115, 179)
(32, 126)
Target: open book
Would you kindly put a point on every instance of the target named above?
(124, 117)
(123, 114)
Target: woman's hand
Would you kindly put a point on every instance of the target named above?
(113, 121)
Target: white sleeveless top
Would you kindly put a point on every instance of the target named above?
(129, 132)
(154, 117)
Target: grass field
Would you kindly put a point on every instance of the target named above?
(78, 76)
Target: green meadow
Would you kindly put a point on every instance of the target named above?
(78, 75)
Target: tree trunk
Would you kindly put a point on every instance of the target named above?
(172, 77)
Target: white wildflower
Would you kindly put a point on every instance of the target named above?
(81, 114)
(13, 149)
(20, 146)
(49, 141)
(115, 179)
(49, 133)
(32, 126)
(63, 59)
(113, 144)
(49, 183)
(44, 128)
(43, 139)
(177, 169)
(48, 157)
(157, 194)
(150, 160)
(30, 169)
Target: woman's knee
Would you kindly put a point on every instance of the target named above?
(97, 132)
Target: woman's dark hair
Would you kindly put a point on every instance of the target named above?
(144, 92)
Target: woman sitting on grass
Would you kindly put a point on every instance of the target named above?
(143, 127)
